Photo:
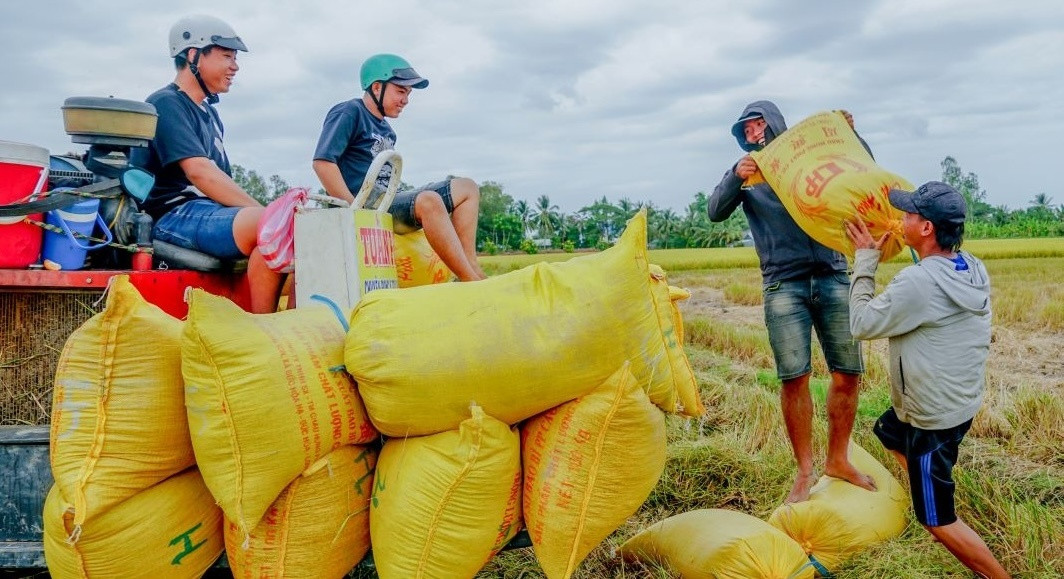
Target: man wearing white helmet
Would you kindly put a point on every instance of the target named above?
(195, 202)
(355, 131)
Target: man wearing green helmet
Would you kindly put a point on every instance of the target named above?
(355, 131)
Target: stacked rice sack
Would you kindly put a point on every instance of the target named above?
(416, 263)
(281, 437)
(520, 343)
(171, 440)
(128, 500)
(534, 398)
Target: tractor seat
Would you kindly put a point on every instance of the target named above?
(170, 256)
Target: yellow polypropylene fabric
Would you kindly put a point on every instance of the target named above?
(841, 519)
(169, 531)
(719, 544)
(588, 465)
(516, 344)
(317, 528)
(688, 399)
(825, 177)
(266, 397)
(444, 504)
(118, 407)
(416, 263)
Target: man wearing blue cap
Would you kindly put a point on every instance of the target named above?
(805, 286)
(936, 317)
(355, 131)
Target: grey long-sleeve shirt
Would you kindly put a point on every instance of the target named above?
(936, 318)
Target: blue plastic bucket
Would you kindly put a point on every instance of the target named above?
(65, 250)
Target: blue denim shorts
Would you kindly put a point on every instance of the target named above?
(794, 307)
(201, 225)
(402, 208)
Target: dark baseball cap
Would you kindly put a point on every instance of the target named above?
(935, 201)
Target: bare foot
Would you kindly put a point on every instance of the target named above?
(800, 490)
(848, 473)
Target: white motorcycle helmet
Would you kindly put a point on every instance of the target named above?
(200, 31)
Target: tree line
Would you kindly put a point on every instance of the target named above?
(508, 224)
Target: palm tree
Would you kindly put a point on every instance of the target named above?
(1041, 201)
(523, 211)
(1041, 206)
(628, 207)
(670, 225)
(546, 217)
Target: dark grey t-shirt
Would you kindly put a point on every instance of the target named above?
(351, 137)
(183, 130)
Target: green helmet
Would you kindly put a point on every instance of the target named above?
(390, 68)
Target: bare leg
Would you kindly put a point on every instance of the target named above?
(441, 234)
(466, 198)
(901, 459)
(288, 291)
(842, 408)
(265, 284)
(797, 405)
(962, 542)
(968, 548)
(246, 228)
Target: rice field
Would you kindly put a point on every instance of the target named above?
(675, 260)
(1010, 476)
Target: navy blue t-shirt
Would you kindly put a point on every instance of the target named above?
(184, 130)
(351, 137)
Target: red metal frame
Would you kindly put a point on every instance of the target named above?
(164, 288)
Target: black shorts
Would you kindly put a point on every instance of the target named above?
(402, 208)
(930, 455)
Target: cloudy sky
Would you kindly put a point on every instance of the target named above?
(580, 99)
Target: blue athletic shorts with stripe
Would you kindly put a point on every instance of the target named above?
(930, 455)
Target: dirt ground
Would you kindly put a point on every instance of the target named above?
(1017, 355)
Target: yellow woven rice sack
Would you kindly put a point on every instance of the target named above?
(688, 398)
(118, 407)
(517, 344)
(267, 397)
(318, 527)
(444, 504)
(416, 263)
(170, 530)
(841, 519)
(588, 465)
(824, 177)
(719, 544)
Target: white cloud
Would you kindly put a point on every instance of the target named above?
(577, 100)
